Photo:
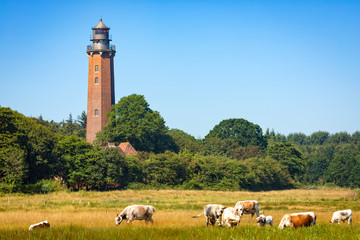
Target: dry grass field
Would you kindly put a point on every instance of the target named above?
(90, 215)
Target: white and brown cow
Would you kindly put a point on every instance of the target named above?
(210, 213)
(342, 216)
(44, 224)
(228, 216)
(296, 220)
(248, 207)
(263, 220)
(136, 212)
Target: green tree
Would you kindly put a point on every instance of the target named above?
(82, 121)
(242, 131)
(115, 168)
(356, 137)
(297, 138)
(289, 156)
(73, 154)
(132, 120)
(341, 137)
(343, 166)
(318, 138)
(185, 141)
(242, 153)
(222, 147)
(25, 145)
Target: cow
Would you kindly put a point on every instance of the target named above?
(296, 220)
(247, 207)
(44, 224)
(228, 216)
(210, 213)
(342, 216)
(136, 212)
(262, 220)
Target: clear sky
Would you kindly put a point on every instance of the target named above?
(290, 66)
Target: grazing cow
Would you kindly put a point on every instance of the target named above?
(228, 216)
(248, 207)
(262, 220)
(342, 216)
(295, 220)
(210, 213)
(136, 212)
(44, 224)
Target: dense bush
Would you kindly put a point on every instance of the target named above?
(32, 155)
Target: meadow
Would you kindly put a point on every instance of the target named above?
(90, 215)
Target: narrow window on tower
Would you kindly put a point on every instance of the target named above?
(96, 80)
(96, 112)
(96, 68)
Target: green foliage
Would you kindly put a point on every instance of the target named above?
(242, 131)
(185, 141)
(67, 127)
(318, 138)
(233, 156)
(289, 156)
(344, 166)
(164, 169)
(132, 120)
(242, 153)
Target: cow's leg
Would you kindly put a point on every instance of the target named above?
(349, 220)
(130, 219)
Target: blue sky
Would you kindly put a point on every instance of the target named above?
(290, 66)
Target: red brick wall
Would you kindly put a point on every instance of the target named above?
(101, 95)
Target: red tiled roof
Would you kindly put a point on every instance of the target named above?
(127, 149)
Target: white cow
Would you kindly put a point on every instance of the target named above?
(248, 207)
(136, 212)
(44, 224)
(342, 216)
(262, 220)
(210, 213)
(228, 216)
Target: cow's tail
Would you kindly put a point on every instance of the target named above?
(197, 215)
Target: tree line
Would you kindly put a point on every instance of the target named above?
(35, 155)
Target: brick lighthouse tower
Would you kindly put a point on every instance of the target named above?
(100, 81)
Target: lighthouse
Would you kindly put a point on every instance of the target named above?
(100, 80)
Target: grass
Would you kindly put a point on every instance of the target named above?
(90, 215)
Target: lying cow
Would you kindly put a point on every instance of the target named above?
(210, 213)
(248, 207)
(44, 224)
(295, 220)
(136, 212)
(342, 216)
(262, 220)
(228, 216)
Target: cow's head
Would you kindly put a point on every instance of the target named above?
(285, 221)
(218, 215)
(118, 219)
(261, 219)
(240, 210)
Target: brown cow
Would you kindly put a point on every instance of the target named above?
(298, 220)
(247, 207)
